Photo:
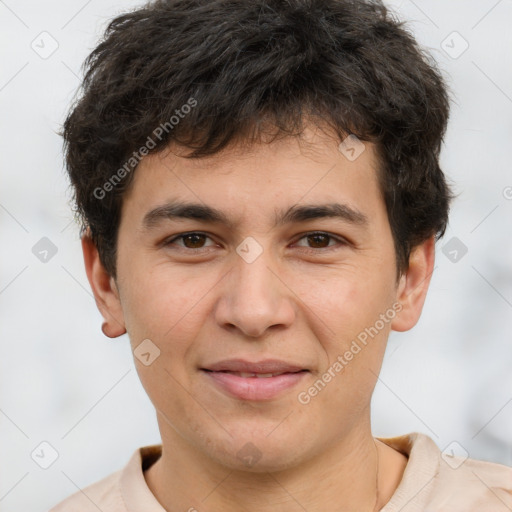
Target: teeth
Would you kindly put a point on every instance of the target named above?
(264, 375)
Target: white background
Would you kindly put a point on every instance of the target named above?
(63, 382)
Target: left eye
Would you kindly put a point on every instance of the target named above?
(318, 239)
(195, 240)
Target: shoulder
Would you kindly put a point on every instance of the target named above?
(104, 495)
(469, 485)
(444, 482)
(112, 494)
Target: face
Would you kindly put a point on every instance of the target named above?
(288, 268)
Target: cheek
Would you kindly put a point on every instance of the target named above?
(354, 347)
(165, 309)
(346, 301)
(158, 301)
(355, 340)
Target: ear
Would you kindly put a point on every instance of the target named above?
(413, 285)
(104, 289)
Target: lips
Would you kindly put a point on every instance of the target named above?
(273, 366)
(245, 375)
(262, 380)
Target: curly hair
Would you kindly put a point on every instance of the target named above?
(238, 65)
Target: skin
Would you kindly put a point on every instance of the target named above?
(303, 307)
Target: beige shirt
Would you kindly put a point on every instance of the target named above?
(431, 483)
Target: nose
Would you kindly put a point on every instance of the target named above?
(254, 298)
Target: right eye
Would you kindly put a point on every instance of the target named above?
(190, 241)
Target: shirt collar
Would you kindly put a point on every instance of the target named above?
(413, 491)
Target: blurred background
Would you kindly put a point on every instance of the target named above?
(64, 384)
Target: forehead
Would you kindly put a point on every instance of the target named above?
(264, 179)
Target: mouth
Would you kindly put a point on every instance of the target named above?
(257, 385)
(247, 375)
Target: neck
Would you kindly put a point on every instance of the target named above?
(342, 478)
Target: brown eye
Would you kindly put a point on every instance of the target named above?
(192, 241)
(320, 240)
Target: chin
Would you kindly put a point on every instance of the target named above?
(259, 453)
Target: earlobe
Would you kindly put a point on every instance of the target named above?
(111, 330)
(413, 285)
(104, 289)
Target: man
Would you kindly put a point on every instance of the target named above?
(260, 192)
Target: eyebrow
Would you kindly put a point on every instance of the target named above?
(294, 214)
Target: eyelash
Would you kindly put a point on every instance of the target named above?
(341, 241)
